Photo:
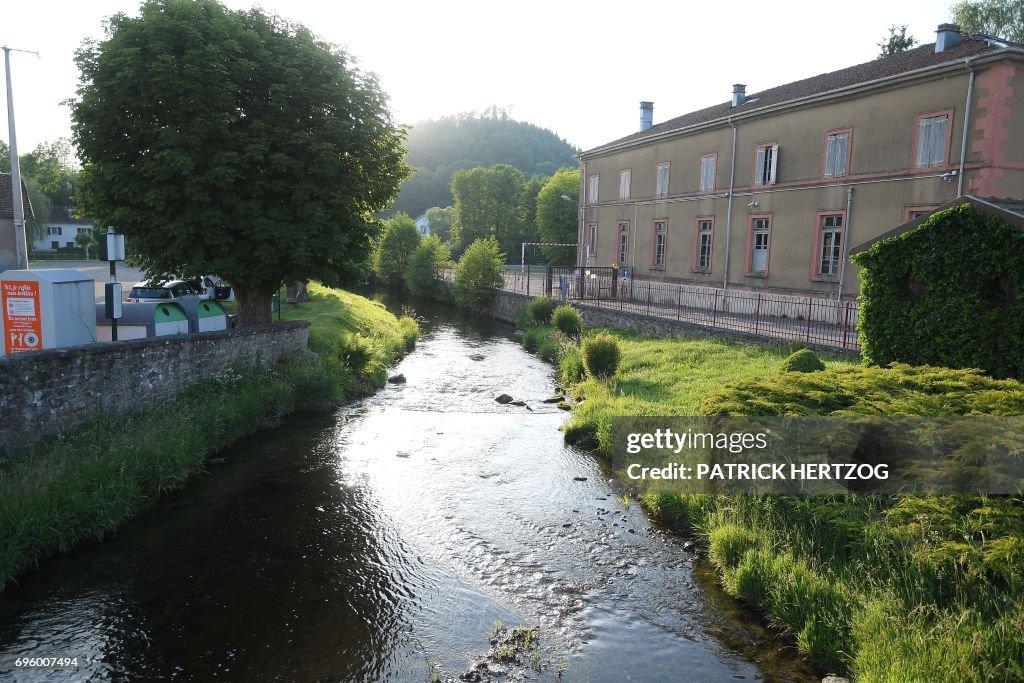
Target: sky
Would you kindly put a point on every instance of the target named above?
(578, 69)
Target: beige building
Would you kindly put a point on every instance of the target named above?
(768, 190)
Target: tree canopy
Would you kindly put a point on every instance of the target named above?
(557, 218)
(397, 244)
(1000, 18)
(439, 148)
(898, 41)
(494, 202)
(235, 143)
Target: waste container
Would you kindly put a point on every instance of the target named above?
(204, 315)
(140, 320)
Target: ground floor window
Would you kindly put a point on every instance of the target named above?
(704, 240)
(592, 239)
(623, 244)
(659, 244)
(760, 241)
(830, 245)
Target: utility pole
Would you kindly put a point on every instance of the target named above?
(20, 241)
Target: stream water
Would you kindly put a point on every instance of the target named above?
(383, 542)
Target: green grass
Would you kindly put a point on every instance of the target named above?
(83, 484)
(886, 588)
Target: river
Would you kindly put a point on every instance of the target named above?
(383, 543)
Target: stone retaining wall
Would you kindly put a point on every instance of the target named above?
(55, 390)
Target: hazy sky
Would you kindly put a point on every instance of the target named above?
(579, 69)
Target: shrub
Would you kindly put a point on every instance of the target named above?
(540, 310)
(532, 338)
(391, 258)
(568, 321)
(478, 274)
(803, 360)
(600, 355)
(550, 349)
(421, 273)
(355, 351)
(950, 292)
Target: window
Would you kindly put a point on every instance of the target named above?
(702, 246)
(54, 230)
(592, 239)
(931, 140)
(623, 244)
(837, 153)
(82, 231)
(661, 186)
(912, 212)
(624, 179)
(707, 172)
(766, 159)
(760, 229)
(54, 244)
(592, 185)
(830, 245)
(658, 246)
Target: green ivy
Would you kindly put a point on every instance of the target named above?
(950, 293)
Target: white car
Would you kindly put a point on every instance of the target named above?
(212, 287)
(161, 291)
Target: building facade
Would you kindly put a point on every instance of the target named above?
(768, 190)
(61, 230)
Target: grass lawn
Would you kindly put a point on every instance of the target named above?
(886, 588)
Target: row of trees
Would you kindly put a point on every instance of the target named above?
(501, 202)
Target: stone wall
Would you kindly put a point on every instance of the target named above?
(55, 390)
(509, 305)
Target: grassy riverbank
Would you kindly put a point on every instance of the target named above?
(85, 483)
(886, 588)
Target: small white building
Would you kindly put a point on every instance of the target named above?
(423, 225)
(61, 230)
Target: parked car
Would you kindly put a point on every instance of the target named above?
(212, 287)
(161, 291)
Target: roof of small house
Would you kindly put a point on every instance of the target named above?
(6, 197)
(1009, 210)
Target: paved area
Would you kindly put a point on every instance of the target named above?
(99, 271)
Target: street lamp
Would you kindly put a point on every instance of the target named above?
(20, 243)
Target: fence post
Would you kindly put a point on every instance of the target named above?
(548, 279)
(846, 322)
(810, 301)
(679, 303)
(615, 281)
(648, 298)
(714, 310)
(527, 280)
(757, 313)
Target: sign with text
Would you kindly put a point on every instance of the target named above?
(23, 327)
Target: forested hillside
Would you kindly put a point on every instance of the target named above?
(438, 148)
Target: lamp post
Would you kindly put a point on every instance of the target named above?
(20, 243)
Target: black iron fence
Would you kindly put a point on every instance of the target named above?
(811, 320)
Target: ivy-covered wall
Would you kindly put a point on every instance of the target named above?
(949, 292)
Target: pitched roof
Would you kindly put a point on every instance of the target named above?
(1009, 210)
(62, 214)
(6, 197)
(893, 65)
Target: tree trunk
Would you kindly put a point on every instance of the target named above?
(253, 305)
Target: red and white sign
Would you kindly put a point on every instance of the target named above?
(23, 327)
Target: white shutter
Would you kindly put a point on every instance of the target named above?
(937, 143)
(843, 145)
(759, 167)
(774, 164)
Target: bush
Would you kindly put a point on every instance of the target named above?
(803, 360)
(568, 321)
(532, 339)
(950, 292)
(540, 310)
(550, 349)
(600, 355)
(478, 274)
(421, 274)
(391, 258)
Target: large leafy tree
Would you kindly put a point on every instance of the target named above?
(234, 143)
(397, 244)
(1000, 18)
(489, 202)
(558, 217)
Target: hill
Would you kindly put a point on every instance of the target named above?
(438, 148)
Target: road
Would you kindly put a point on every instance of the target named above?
(99, 271)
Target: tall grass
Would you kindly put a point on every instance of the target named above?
(83, 484)
(886, 588)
